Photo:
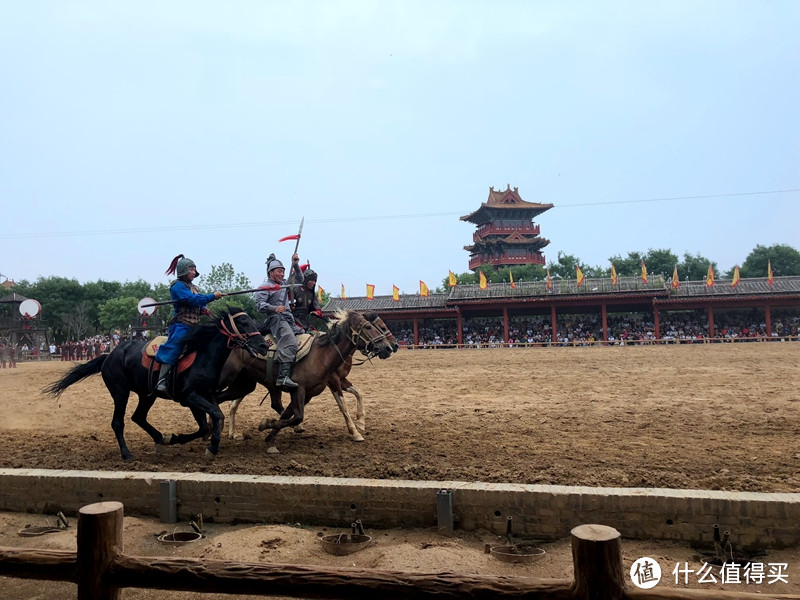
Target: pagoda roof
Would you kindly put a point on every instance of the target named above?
(13, 297)
(511, 240)
(505, 203)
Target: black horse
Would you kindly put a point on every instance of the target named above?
(123, 373)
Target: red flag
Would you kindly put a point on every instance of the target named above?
(770, 274)
(395, 293)
(736, 277)
(296, 236)
(370, 292)
(644, 273)
(580, 276)
(675, 279)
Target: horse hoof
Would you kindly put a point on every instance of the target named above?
(210, 454)
(273, 450)
(358, 438)
(299, 429)
(166, 440)
(266, 424)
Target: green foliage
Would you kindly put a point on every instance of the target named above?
(785, 261)
(117, 313)
(223, 278)
(694, 268)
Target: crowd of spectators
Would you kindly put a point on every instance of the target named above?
(85, 349)
(586, 329)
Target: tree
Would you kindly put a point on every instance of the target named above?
(694, 268)
(784, 259)
(118, 313)
(223, 278)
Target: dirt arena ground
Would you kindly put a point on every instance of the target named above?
(720, 416)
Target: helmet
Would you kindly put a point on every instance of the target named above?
(309, 276)
(273, 263)
(183, 266)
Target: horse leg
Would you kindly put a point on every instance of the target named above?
(291, 416)
(201, 407)
(232, 419)
(139, 417)
(236, 392)
(120, 397)
(203, 428)
(361, 417)
(351, 427)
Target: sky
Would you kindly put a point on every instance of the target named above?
(131, 132)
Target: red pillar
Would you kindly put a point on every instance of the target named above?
(656, 323)
(416, 332)
(710, 322)
(505, 324)
(554, 337)
(459, 327)
(768, 321)
(604, 314)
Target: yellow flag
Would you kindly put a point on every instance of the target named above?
(770, 275)
(644, 272)
(370, 292)
(344, 296)
(395, 293)
(676, 281)
(736, 277)
(453, 281)
(320, 291)
(511, 278)
(580, 276)
(710, 276)
(484, 283)
(549, 283)
(423, 289)
(614, 278)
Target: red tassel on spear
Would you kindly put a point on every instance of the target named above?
(296, 236)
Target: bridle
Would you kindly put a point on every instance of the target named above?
(359, 335)
(236, 339)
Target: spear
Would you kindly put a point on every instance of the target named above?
(263, 288)
(296, 246)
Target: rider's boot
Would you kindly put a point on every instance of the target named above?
(162, 387)
(283, 376)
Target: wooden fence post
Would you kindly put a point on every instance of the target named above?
(597, 561)
(99, 543)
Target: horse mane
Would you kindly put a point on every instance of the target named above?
(336, 322)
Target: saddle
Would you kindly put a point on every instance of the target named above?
(304, 342)
(149, 352)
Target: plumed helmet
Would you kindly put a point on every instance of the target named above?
(273, 263)
(180, 266)
(183, 266)
(309, 275)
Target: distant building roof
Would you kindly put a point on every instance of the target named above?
(508, 203)
(13, 297)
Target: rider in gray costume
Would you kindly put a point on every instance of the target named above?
(280, 321)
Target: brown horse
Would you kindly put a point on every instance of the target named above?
(337, 384)
(350, 331)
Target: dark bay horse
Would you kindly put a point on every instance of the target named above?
(338, 383)
(349, 331)
(123, 373)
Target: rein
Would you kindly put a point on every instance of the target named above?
(235, 337)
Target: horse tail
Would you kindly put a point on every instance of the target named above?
(74, 375)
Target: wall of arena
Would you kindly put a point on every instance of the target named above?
(537, 511)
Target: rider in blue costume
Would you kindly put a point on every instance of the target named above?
(188, 305)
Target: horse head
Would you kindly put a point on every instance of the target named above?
(362, 333)
(378, 322)
(242, 331)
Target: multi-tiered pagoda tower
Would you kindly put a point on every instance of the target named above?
(506, 234)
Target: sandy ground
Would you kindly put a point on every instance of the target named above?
(715, 416)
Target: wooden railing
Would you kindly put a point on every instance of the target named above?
(101, 572)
